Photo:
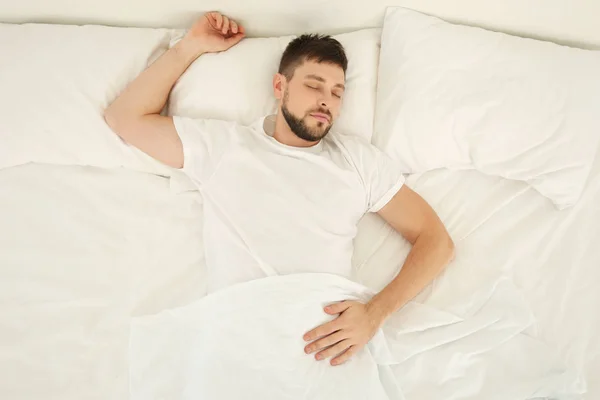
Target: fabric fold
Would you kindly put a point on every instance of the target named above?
(245, 341)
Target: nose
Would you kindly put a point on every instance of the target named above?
(324, 100)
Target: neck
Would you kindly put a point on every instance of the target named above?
(283, 134)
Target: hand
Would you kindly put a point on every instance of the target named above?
(347, 334)
(213, 33)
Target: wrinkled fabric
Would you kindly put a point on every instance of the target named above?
(246, 341)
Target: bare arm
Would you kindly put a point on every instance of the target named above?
(410, 215)
(357, 323)
(135, 114)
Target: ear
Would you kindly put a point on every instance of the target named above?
(279, 84)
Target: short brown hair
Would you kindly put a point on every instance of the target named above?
(312, 47)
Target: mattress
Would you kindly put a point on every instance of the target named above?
(86, 249)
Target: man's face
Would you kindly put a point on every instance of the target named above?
(312, 99)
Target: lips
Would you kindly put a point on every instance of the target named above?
(320, 117)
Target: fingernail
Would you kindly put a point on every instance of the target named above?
(318, 357)
(334, 363)
(307, 350)
(306, 337)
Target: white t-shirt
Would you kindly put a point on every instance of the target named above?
(272, 209)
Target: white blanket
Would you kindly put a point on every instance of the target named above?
(245, 342)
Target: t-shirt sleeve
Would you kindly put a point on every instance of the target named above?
(204, 141)
(380, 174)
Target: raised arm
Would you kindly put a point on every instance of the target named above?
(135, 113)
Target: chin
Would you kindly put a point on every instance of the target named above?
(319, 126)
(319, 133)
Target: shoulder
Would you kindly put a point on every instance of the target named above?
(209, 133)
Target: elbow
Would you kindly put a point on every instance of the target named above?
(117, 122)
(445, 245)
(441, 243)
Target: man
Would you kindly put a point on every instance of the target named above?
(282, 196)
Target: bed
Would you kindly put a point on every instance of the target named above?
(86, 248)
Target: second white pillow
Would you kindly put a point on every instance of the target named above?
(459, 97)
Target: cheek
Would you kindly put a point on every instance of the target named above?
(335, 108)
(297, 102)
(310, 101)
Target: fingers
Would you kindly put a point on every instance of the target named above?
(225, 25)
(333, 350)
(345, 356)
(325, 342)
(338, 307)
(225, 28)
(322, 330)
(218, 20)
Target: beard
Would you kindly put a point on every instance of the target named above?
(300, 128)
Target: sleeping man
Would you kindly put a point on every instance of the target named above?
(282, 197)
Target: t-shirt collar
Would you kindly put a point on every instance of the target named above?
(267, 127)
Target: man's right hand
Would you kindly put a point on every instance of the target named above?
(213, 33)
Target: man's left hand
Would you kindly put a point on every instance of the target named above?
(346, 335)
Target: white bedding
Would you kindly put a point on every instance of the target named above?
(459, 97)
(552, 256)
(245, 342)
(84, 250)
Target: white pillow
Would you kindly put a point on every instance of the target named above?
(458, 97)
(236, 85)
(56, 81)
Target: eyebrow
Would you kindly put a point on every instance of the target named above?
(320, 79)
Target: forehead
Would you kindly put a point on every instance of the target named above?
(331, 73)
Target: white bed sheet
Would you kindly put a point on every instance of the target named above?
(552, 256)
(84, 249)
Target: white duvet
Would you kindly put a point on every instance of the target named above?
(245, 342)
(117, 251)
